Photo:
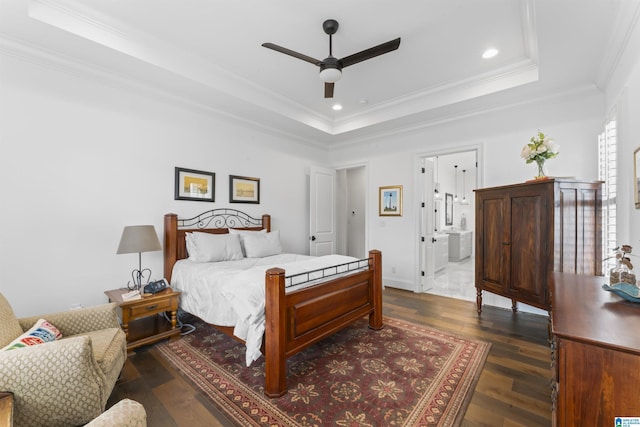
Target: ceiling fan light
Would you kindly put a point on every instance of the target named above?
(330, 75)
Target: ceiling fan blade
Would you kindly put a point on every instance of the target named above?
(292, 53)
(328, 90)
(370, 53)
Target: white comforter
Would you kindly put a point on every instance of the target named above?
(231, 293)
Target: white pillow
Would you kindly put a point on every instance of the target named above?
(243, 233)
(207, 247)
(260, 245)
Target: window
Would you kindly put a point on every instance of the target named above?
(608, 173)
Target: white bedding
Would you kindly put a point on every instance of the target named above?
(231, 293)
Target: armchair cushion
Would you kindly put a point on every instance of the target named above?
(107, 350)
(10, 329)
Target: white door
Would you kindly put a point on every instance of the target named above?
(322, 211)
(427, 227)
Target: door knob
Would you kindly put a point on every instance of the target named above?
(313, 238)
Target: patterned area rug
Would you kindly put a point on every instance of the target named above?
(402, 375)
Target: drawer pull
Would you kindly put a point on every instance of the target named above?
(151, 307)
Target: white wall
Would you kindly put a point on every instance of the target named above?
(82, 158)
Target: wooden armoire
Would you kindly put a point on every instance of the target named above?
(525, 232)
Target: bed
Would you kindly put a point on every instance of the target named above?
(300, 309)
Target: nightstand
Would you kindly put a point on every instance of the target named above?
(142, 319)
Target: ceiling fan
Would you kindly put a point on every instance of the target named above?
(331, 67)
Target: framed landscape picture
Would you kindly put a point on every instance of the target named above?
(196, 185)
(390, 200)
(243, 189)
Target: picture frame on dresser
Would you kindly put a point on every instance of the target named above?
(636, 177)
(244, 189)
(191, 184)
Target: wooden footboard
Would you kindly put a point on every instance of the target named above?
(300, 318)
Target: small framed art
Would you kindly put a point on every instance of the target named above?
(390, 200)
(195, 185)
(243, 189)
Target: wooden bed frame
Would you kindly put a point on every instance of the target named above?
(296, 319)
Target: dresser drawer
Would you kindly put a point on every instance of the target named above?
(157, 306)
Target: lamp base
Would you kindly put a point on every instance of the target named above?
(138, 276)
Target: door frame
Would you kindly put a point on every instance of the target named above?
(419, 180)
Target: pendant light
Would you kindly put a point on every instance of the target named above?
(455, 189)
(464, 188)
(436, 185)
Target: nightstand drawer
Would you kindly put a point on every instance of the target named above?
(151, 307)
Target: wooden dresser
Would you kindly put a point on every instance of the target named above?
(525, 232)
(596, 353)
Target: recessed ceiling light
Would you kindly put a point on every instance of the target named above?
(490, 53)
(337, 107)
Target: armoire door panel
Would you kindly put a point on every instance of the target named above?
(567, 240)
(492, 250)
(528, 229)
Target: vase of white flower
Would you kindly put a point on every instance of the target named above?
(540, 149)
(541, 171)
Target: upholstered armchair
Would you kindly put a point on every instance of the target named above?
(65, 382)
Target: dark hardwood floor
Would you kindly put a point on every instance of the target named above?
(513, 389)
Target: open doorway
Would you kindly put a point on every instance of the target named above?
(447, 222)
(351, 211)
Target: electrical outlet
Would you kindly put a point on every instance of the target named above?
(393, 270)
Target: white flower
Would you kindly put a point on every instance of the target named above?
(551, 146)
(526, 152)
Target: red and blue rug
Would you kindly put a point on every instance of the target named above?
(402, 375)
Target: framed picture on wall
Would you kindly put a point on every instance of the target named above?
(243, 189)
(636, 177)
(448, 209)
(191, 184)
(390, 200)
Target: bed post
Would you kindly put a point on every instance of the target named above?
(266, 222)
(275, 335)
(375, 317)
(170, 244)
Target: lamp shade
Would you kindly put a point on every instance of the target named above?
(330, 75)
(138, 238)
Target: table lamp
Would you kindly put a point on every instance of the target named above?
(139, 238)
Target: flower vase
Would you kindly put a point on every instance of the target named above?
(541, 170)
